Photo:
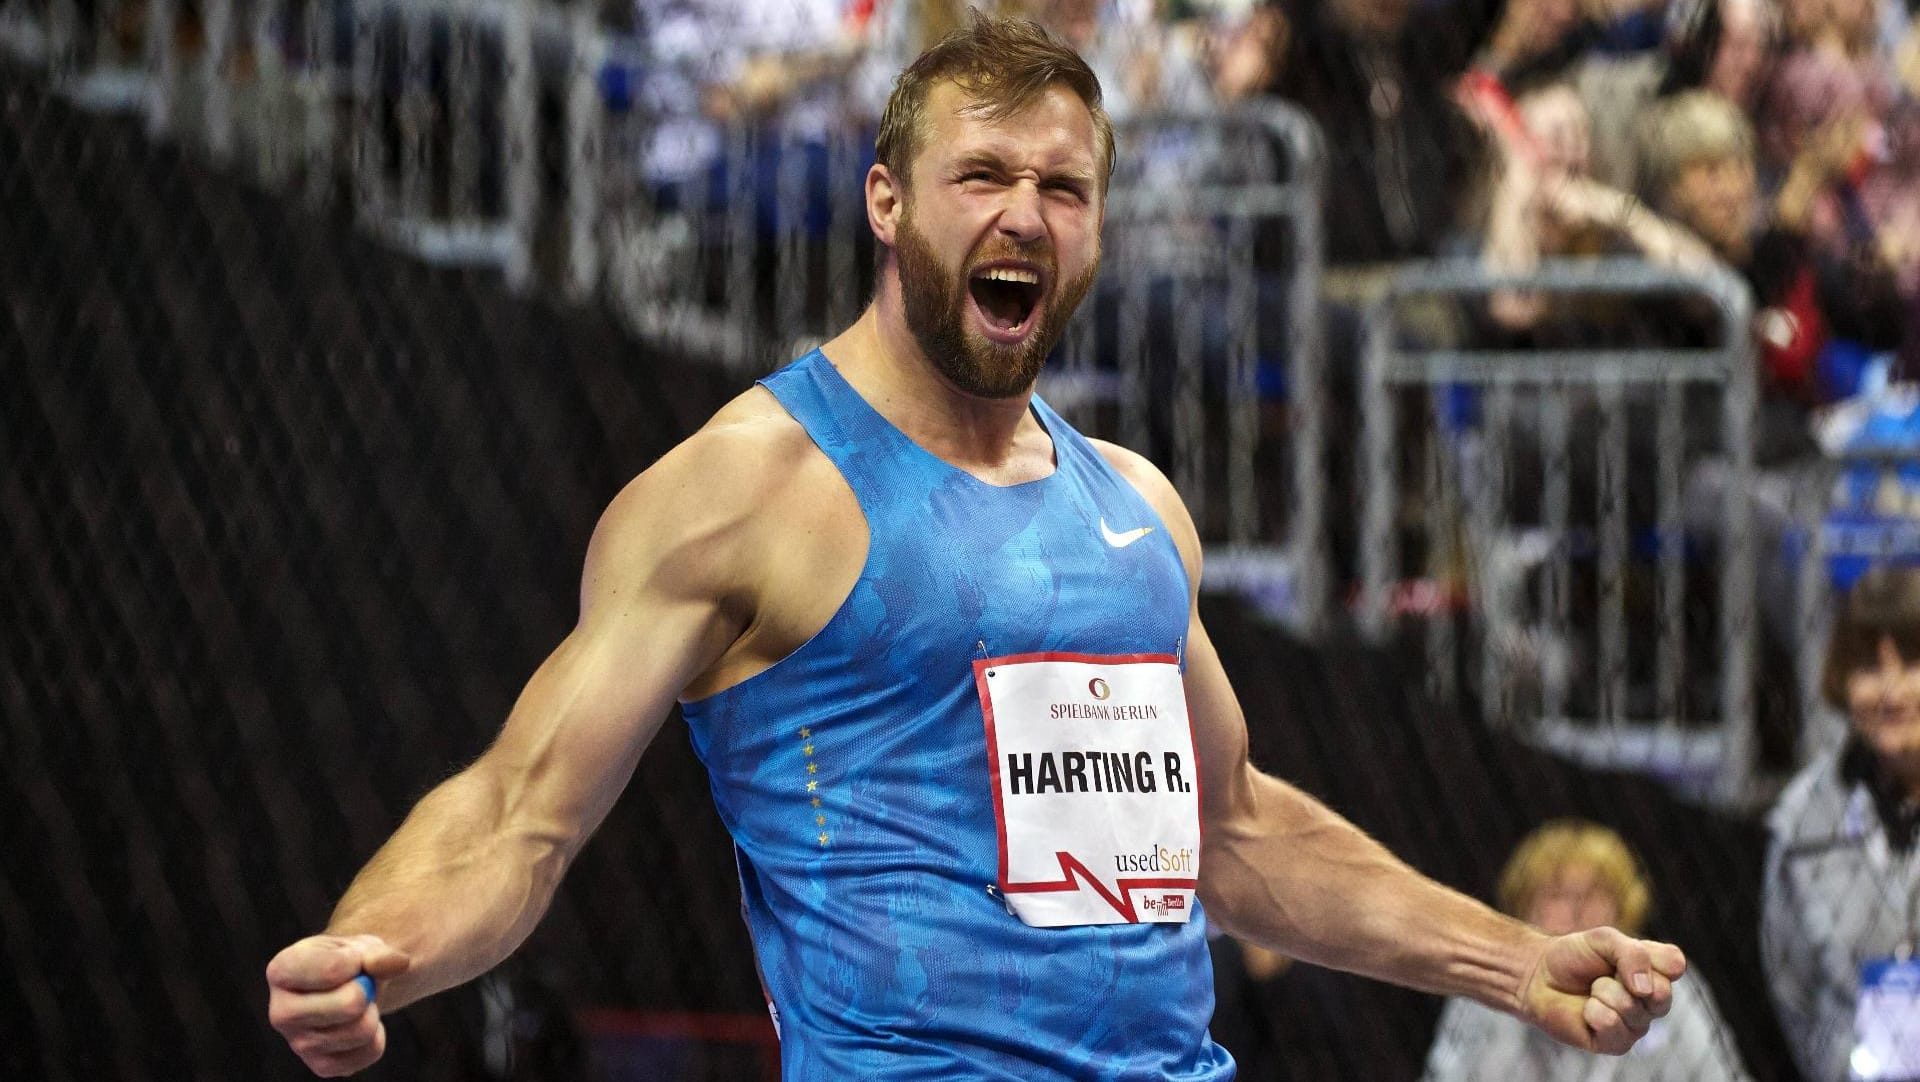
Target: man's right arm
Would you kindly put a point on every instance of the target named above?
(472, 869)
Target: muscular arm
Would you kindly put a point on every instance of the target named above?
(666, 596)
(471, 871)
(1281, 869)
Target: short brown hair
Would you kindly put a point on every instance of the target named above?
(1885, 603)
(1004, 65)
(1564, 842)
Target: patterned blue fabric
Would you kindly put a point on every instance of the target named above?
(853, 778)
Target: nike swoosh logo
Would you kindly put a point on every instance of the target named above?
(1122, 540)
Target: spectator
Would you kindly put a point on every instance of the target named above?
(1813, 90)
(1248, 55)
(1844, 163)
(1375, 74)
(1546, 204)
(1698, 168)
(1843, 880)
(1146, 63)
(1562, 875)
(1725, 46)
(715, 62)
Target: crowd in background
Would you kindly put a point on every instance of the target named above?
(1781, 138)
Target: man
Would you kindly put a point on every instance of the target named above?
(940, 655)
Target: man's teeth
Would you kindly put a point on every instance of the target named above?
(1010, 274)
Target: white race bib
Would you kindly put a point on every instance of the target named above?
(1096, 787)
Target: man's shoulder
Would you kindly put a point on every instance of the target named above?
(749, 454)
(750, 443)
(1137, 468)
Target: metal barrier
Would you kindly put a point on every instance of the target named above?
(756, 254)
(1475, 554)
(424, 116)
(1192, 214)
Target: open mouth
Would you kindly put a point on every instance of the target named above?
(1006, 298)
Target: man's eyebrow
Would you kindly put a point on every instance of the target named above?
(986, 159)
(981, 159)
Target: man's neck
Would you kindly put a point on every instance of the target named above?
(995, 439)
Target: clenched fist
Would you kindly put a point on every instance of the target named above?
(326, 1016)
(1600, 990)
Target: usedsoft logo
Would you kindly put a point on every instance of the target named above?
(1159, 858)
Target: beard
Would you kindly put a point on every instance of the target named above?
(936, 303)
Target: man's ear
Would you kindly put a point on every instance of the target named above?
(886, 202)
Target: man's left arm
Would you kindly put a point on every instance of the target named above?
(1281, 869)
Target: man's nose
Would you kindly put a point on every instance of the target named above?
(1020, 218)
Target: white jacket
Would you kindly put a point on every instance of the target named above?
(1838, 893)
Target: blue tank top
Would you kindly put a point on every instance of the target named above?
(853, 777)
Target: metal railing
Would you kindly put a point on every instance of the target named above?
(1234, 316)
(425, 116)
(1523, 674)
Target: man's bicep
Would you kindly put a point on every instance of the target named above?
(1219, 728)
(578, 730)
(653, 615)
(1241, 801)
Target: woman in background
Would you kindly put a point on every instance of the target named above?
(1569, 874)
(1841, 911)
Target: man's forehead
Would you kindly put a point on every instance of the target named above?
(1056, 124)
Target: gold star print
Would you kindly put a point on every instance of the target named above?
(820, 820)
(811, 786)
(823, 837)
(806, 734)
(816, 802)
(813, 768)
(809, 749)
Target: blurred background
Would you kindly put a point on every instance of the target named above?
(1536, 372)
